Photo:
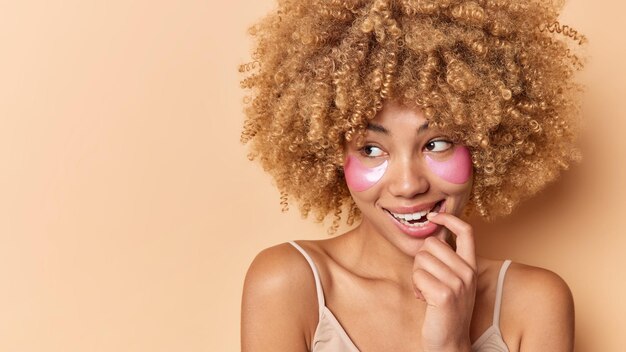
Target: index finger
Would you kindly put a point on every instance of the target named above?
(465, 246)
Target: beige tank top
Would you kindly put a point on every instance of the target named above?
(331, 337)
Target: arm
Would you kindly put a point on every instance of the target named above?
(278, 302)
(548, 308)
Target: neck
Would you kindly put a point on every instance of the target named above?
(377, 258)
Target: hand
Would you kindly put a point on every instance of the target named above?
(446, 280)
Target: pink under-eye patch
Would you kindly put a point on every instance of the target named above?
(360, 177)
(457, 169)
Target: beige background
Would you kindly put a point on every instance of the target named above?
(129, 213)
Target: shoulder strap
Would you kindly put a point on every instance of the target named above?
(496, 309)
(318, 282)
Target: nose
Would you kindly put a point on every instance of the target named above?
(407, 178)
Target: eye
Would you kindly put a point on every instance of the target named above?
(438, 145)
(371, 151)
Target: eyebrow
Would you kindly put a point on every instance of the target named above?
(379, 128)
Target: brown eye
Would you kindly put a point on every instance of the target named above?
(371, 151)
(438, 145)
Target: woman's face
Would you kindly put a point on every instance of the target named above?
(402, 170)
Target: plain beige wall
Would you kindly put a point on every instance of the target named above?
(129, 212)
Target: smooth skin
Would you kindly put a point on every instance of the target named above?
(392, 292)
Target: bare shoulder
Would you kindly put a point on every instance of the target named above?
(277, 266)
(273, 316)
(538, 289)
(543, 307)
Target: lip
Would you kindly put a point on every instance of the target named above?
(417, 232)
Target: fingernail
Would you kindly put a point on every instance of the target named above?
(431, 215)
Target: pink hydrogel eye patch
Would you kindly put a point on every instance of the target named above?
(360, 177)
(457, 169)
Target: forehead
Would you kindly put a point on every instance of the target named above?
(395, 114)
(395, 119)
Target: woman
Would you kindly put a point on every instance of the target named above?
(409, 115)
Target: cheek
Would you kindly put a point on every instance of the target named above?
(359, 177)
(457, 169)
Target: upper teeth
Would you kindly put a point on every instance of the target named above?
(412, 216)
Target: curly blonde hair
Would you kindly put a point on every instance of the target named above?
(495, 75)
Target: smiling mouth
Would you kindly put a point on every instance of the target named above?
(416, 219)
